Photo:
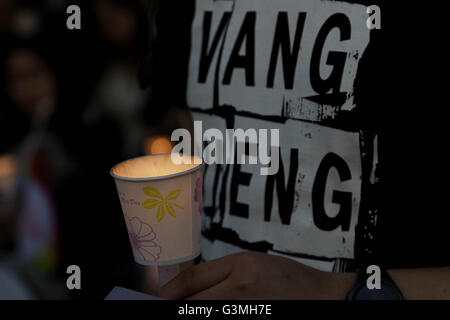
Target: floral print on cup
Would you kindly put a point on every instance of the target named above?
(198, 194)
(142, 239)
(162, 203)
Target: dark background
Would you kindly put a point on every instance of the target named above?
(71, 108)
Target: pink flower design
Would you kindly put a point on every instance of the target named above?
(141, 237)
(198, 194)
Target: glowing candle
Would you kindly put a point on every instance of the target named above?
(161, 203)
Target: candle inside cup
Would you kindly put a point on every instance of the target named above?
(161, 203)
(153, 166)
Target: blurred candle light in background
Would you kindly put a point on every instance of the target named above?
(8, 190)
(158, 145)
(8, 175)
(7, 165)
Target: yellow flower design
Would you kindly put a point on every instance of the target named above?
(163, 203)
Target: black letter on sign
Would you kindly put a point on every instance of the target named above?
(247, 61)
(239, 178)
(282, 40)
(335, 58)
(208, 55)
(285, 194)
(344, 199)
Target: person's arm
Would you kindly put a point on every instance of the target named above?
(254, 275)
(426, 283)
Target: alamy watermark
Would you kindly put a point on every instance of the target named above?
(233, 146)
(74, 279)
(374, 19)
(74, 20)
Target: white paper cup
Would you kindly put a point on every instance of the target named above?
(161, 202)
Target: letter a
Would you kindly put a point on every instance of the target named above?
(74, 280)
(374, 19)
(374, 280)
(74, 20)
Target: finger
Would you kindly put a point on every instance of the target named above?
(221, 291)
(196, 279)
